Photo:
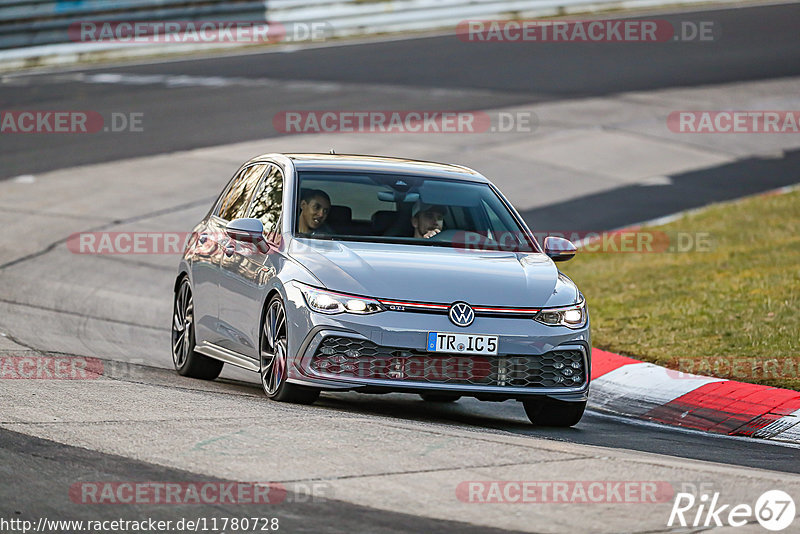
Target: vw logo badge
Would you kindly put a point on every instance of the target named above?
(461, 314)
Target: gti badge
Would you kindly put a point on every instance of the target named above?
(461, 314)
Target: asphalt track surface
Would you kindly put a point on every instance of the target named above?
(594, 429)
(632, 204)
(24, 459)
(433, 73)
(754, 43)
(38, 473)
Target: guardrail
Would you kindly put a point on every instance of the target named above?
(35, 22)
(348, 17)
(358, 16)
(39, 22)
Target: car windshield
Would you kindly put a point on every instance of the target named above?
(406, 209)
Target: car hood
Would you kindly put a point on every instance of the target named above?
(435, 274)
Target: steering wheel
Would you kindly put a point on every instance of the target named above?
(466, 239)
(445, 235)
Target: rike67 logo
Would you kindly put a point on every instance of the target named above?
(774, 510)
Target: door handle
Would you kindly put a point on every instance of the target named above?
(229, 250)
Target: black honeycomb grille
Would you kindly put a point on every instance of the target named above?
(354, 358)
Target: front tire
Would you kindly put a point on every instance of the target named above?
(274, 358)
(188, 362)
(554, 413)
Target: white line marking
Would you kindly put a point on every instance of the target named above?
(180, 81)
(656, 180)
(24, 179)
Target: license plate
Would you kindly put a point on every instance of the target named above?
(462, 343)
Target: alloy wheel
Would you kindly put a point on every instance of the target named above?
(182, 325)
(273, 349)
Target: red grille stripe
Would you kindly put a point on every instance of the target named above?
(414, 304)
(506, 310)
(445, 307)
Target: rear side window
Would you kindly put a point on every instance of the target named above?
(267, 203)
(237, 198)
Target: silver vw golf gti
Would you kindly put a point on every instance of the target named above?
(338, 272)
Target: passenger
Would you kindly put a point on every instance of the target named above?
(427, 219)
(315, 204)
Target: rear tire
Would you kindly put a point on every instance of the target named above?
(188, 362)
(274, 358)
(439, 397)
(554, 413)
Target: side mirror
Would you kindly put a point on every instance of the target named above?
(559, 249)
(249, 230)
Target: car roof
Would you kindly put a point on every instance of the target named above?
(365, 163)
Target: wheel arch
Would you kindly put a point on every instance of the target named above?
(267, 299)
(179, 280)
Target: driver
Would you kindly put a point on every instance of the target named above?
(315, 204)
(427, 219)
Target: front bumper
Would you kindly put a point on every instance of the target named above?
(387, 352)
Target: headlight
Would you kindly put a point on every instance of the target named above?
(323, 301)
(570, 316)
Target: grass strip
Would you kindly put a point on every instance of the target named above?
(729, 306)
